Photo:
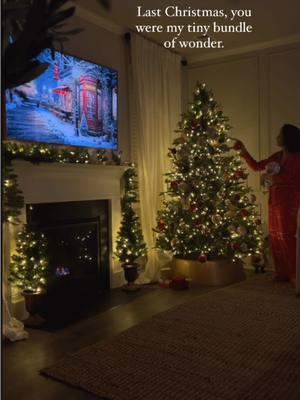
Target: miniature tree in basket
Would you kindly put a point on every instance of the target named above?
(28, 268)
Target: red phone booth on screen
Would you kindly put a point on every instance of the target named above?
(89, 103)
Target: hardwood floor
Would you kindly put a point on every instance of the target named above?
(23, 360)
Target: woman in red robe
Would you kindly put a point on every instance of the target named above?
(283, 173)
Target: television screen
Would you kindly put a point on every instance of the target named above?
(74, 102)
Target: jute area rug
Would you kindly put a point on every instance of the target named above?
(241, 342)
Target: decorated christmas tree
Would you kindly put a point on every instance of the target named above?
(130, 243)
(29, 264)
(208, 211)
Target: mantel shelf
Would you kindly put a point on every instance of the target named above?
(112, 171)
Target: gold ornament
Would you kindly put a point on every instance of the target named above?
(216, 219)
(230, 214)
(231, 228)
(241, 230)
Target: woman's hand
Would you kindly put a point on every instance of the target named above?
(266, 180)
(240, 147)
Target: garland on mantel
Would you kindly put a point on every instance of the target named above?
(13, 200)
(37, 153)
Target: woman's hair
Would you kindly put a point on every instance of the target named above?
(291, 138)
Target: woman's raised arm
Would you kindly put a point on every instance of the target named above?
(253, 164)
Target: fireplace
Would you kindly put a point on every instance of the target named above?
(67, 185)
(77, 233)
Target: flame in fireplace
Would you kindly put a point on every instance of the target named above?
(62, 271)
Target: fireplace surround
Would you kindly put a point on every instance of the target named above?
(80, 185)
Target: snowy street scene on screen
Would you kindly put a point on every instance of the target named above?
(74, 102)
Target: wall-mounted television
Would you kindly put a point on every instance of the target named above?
(74, 102)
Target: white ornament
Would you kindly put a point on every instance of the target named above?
(273, 168)
(244, 247)
(231, 228)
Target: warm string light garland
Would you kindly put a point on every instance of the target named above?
(28, 267)
(13, 200)
(37, 153)
(208, 211)
(130, 242)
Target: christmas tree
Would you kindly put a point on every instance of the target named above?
(29, 264)
(130, 243)
(208, 211)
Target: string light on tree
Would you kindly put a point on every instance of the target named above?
(130, 243)
(29, 264)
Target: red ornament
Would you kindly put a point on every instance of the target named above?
(244, 212)
(240, 175)
(202, 258)
(236, 246)
(162, 225)
(194, 124)
(198, 224)
(194, 208)
(174, 185)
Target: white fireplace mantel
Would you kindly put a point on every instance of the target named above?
(54, 182)
(58, 182)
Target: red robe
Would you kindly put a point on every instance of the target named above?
(284, 201)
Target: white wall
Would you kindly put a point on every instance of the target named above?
(259, 92)
(103, 47)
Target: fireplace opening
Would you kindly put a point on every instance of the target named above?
(78, 248)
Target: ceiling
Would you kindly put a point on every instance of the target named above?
(271, 20)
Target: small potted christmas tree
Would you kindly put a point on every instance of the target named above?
(209, 220)
(28, 268)
(130, 244)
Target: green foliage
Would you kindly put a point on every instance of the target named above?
(29, 264)
(38, 153)
(130, 243)
(12, 198)
(208, 210)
